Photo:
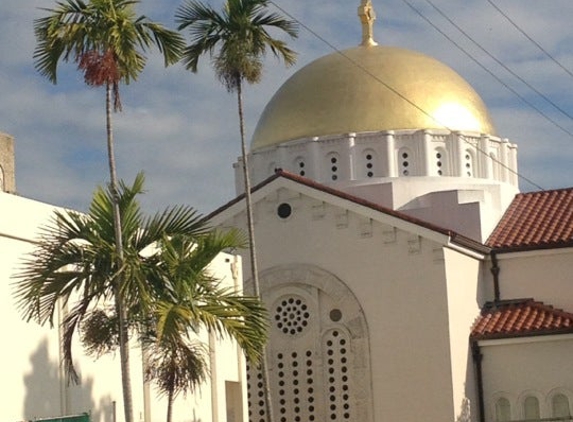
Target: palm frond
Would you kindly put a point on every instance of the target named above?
(167, 286)
(235, 39)
(99, 332)
(76, 28)
(177, 368)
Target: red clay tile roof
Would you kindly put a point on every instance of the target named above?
(520, 318)
(536, 220)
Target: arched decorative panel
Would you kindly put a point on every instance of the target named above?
(318, 350)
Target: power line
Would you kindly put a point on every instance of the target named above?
(472, 58)
(499, 62)
(516, 26)
(396, 92)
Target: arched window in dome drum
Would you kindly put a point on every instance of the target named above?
(502, 410)
(300, 166)
(405, 162)
(441, 167)
(469, 163)
(560, 406)
(531, 408)
(369, 163)
(333, 166)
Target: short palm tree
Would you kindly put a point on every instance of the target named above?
(194, 301)
(108, 42)
(237, 41)
(76, 264)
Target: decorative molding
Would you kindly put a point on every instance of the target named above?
(389, 234)
(342, 219)
(318, 211)
(366, 228)
(414, 244)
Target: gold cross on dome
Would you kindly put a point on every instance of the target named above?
(367, 17)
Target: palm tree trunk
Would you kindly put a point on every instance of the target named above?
(120, 309)
(169, 406)
(252, 246)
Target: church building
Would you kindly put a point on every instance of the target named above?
(406, 276)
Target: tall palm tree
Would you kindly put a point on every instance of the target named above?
(237, 40)
(75, 263)
(195, 301)
(108, 42)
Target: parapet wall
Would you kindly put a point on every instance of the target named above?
(7, 167)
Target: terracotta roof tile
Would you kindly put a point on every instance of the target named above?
(518, 318)
(536, 220)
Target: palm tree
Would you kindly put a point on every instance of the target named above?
(237, 41)
(76, 264)
(195, 301)
(108, 42)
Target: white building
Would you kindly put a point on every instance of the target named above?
(406, 277)
(34, 383)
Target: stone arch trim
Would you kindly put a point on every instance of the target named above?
(322, 359)
(520, 410)
(312, 275)
(556, 392)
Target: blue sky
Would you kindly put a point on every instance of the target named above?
(181, 129)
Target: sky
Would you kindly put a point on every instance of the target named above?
(181, 129)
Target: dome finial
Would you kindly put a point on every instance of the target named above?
(367, 17)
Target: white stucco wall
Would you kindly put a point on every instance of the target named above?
(515, 368)
(543, 275)
(33, 379)
(399, 279)
(465, 297)
(29, 356)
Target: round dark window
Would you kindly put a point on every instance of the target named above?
(335, 315)
(284, 210)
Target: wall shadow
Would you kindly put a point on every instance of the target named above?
(42, 385)
(45, 389)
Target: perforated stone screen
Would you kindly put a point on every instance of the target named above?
(319, 366)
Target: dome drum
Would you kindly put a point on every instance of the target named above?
(392, 126)
(370, 156)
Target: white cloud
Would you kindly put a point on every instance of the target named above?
(182, 129)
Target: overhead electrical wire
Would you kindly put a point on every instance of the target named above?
(499, 62)
(399, 94)
(498, 79)
(516, 26)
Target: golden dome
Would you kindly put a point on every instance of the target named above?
(371, 88)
